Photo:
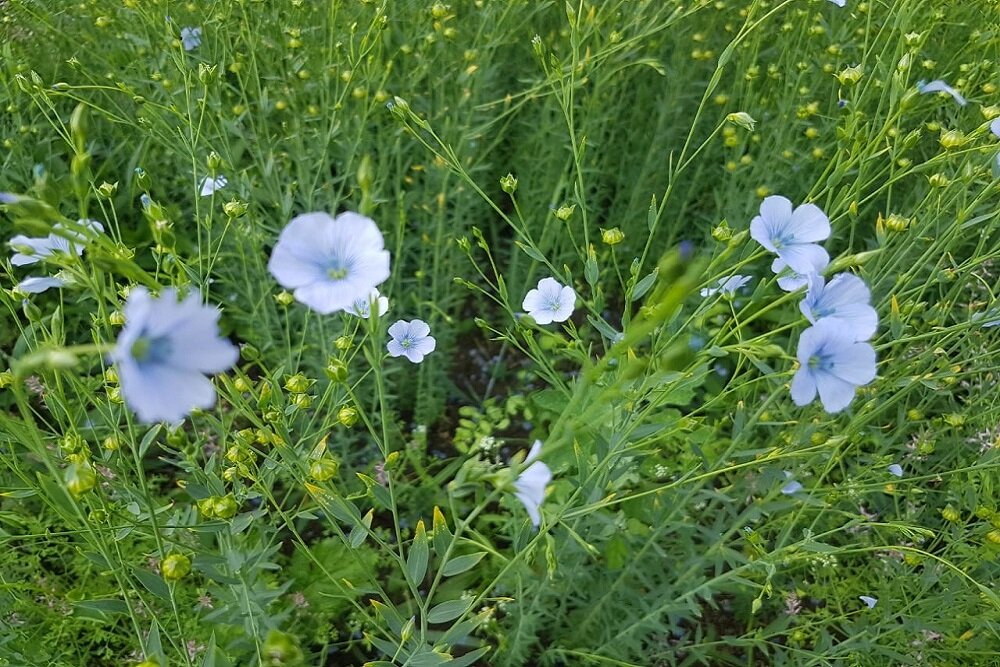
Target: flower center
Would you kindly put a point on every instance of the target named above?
(554, 305)
(150, 350)
(817, 362)
(337, 272)
(406, 343)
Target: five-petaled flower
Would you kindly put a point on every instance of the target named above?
(726, 286)
(164, 351)
(363, 307)
(530, 484)
(792, 234)
(190, 38)
(330, 263)
(411, 340)
(846, 299)
(833, 363)
(550, 301)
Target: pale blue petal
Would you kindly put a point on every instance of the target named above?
(38, 284)
(395, 348)
(804, 258)
(854, 363)
(808, 224)
(895, 469)
(995, 127)
(419, 329)
(398, 329)
(791, 488)
(834, 392)
(413, 354)
(803, 387)
(869, 601)
(839, 3)
(425, 345)
(776, 211)
(160, 393)
(760, 233)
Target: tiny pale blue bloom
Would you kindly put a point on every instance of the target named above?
(210, 186)
(549, 302)
(839, 3)
(895, 469)
(726, 286)
(939, 86)
(363, 307)
(833, 364)
(191, 38)
(530, 484)
(791, 488)
(330, 263)
(164, 351)
(792, 234)
(411, 339)
(846, 299)
(995, 127)
(869, 601)
(38, 284)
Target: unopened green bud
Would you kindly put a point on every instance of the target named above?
(850, 75)
(298, 383)
(952, 139)
(743, 119)
(175, 567)
(324, 469)
(336, 370)
(224, 507)
(6, 379)
(722, 232)
(234, 209)
(612, 236)
(112, 443)
(347, 416)
(107, 190)
(206, 73)
(365, 174)
(80, 478)
(508, 184)
(284, 298)
(302, 401)
(141, 178)
(565, 212)
(281, 650)
(249, 352)
(213, 162)
(206, 507)
(343, 343)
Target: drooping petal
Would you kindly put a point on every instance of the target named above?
(160, 393)
(38, 284)
(939, 86)
(803, 387)
(530, 489)
(835, 393)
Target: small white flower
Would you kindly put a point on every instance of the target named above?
(550, 302)
(939, 86)
(164, 351)
(869, 601)
(895, 469)
(531, 483)
(37, 284)
(330, 263)
(191, 38)
(363, 307)
(411, 339)
(727, 286)
(210, 186)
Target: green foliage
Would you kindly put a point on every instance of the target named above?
(339, 507)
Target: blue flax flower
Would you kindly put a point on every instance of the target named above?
(792, 234)
(330, 263)
(530, 484)
(411, 340)
(550, 302)
(191, 38)
(363, 307)
(846, 299)
(164, 351)
(833, 364)
(63, 239)
(727, 286)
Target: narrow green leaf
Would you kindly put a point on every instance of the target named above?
(154, 583)
(448, 611)
(416, 560)
(469, 658)
(461, 564)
